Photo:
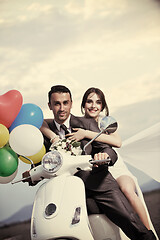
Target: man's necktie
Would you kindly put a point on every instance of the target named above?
(64, 128)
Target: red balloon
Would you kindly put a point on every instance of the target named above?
(10, 105)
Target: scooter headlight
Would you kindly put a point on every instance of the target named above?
(52, 161)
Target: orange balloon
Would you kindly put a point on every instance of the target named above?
(36, 158)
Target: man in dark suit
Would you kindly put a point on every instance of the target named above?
(99, 183)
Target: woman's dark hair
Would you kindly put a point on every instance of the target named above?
(100, 94)
(59, 89)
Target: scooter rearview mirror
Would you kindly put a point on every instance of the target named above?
(107, 124)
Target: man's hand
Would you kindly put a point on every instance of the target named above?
(100, 156)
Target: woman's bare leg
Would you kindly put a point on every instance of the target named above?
(127, 186)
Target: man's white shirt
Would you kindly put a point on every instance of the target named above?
(61, 131)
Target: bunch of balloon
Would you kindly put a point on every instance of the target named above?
(8, 164)
(8, 158)
(25, 137)
(4, 135)
(26, 140)
(20, 136)
(36, 158)
(10, 105)
(29, 114)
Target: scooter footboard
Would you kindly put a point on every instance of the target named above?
(59, 210)
(103, 228)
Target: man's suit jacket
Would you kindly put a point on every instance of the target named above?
(99, 177)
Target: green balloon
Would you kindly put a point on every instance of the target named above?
(8, 161)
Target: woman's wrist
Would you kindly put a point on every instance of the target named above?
(54, 139)
(86, 133)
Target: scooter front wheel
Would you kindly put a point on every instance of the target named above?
(65, 239)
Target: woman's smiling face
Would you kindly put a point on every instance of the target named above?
(93, 106)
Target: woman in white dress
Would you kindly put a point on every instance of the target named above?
(93, 103)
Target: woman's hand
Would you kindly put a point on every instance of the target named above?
(78, 135)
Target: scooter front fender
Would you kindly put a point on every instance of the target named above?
(59, 210)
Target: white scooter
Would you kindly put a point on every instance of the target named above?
(59, 209)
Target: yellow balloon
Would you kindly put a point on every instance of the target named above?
(36, 158)
(4, 135)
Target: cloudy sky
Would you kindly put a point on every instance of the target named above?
(113, 44)
(110, 44)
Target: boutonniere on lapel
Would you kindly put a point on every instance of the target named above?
(67, 146)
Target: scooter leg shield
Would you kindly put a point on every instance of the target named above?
(59, 210)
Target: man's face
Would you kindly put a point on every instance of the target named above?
(60, 104)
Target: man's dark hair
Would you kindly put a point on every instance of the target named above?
(59, 89)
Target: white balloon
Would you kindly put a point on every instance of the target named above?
(26, 140)
(8, 179)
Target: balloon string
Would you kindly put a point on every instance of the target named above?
(32, 164)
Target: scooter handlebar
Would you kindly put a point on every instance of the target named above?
(38, 172)
(22, 180)
(30, 176)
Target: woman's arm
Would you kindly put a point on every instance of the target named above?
(48, 132)
(112, 139)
